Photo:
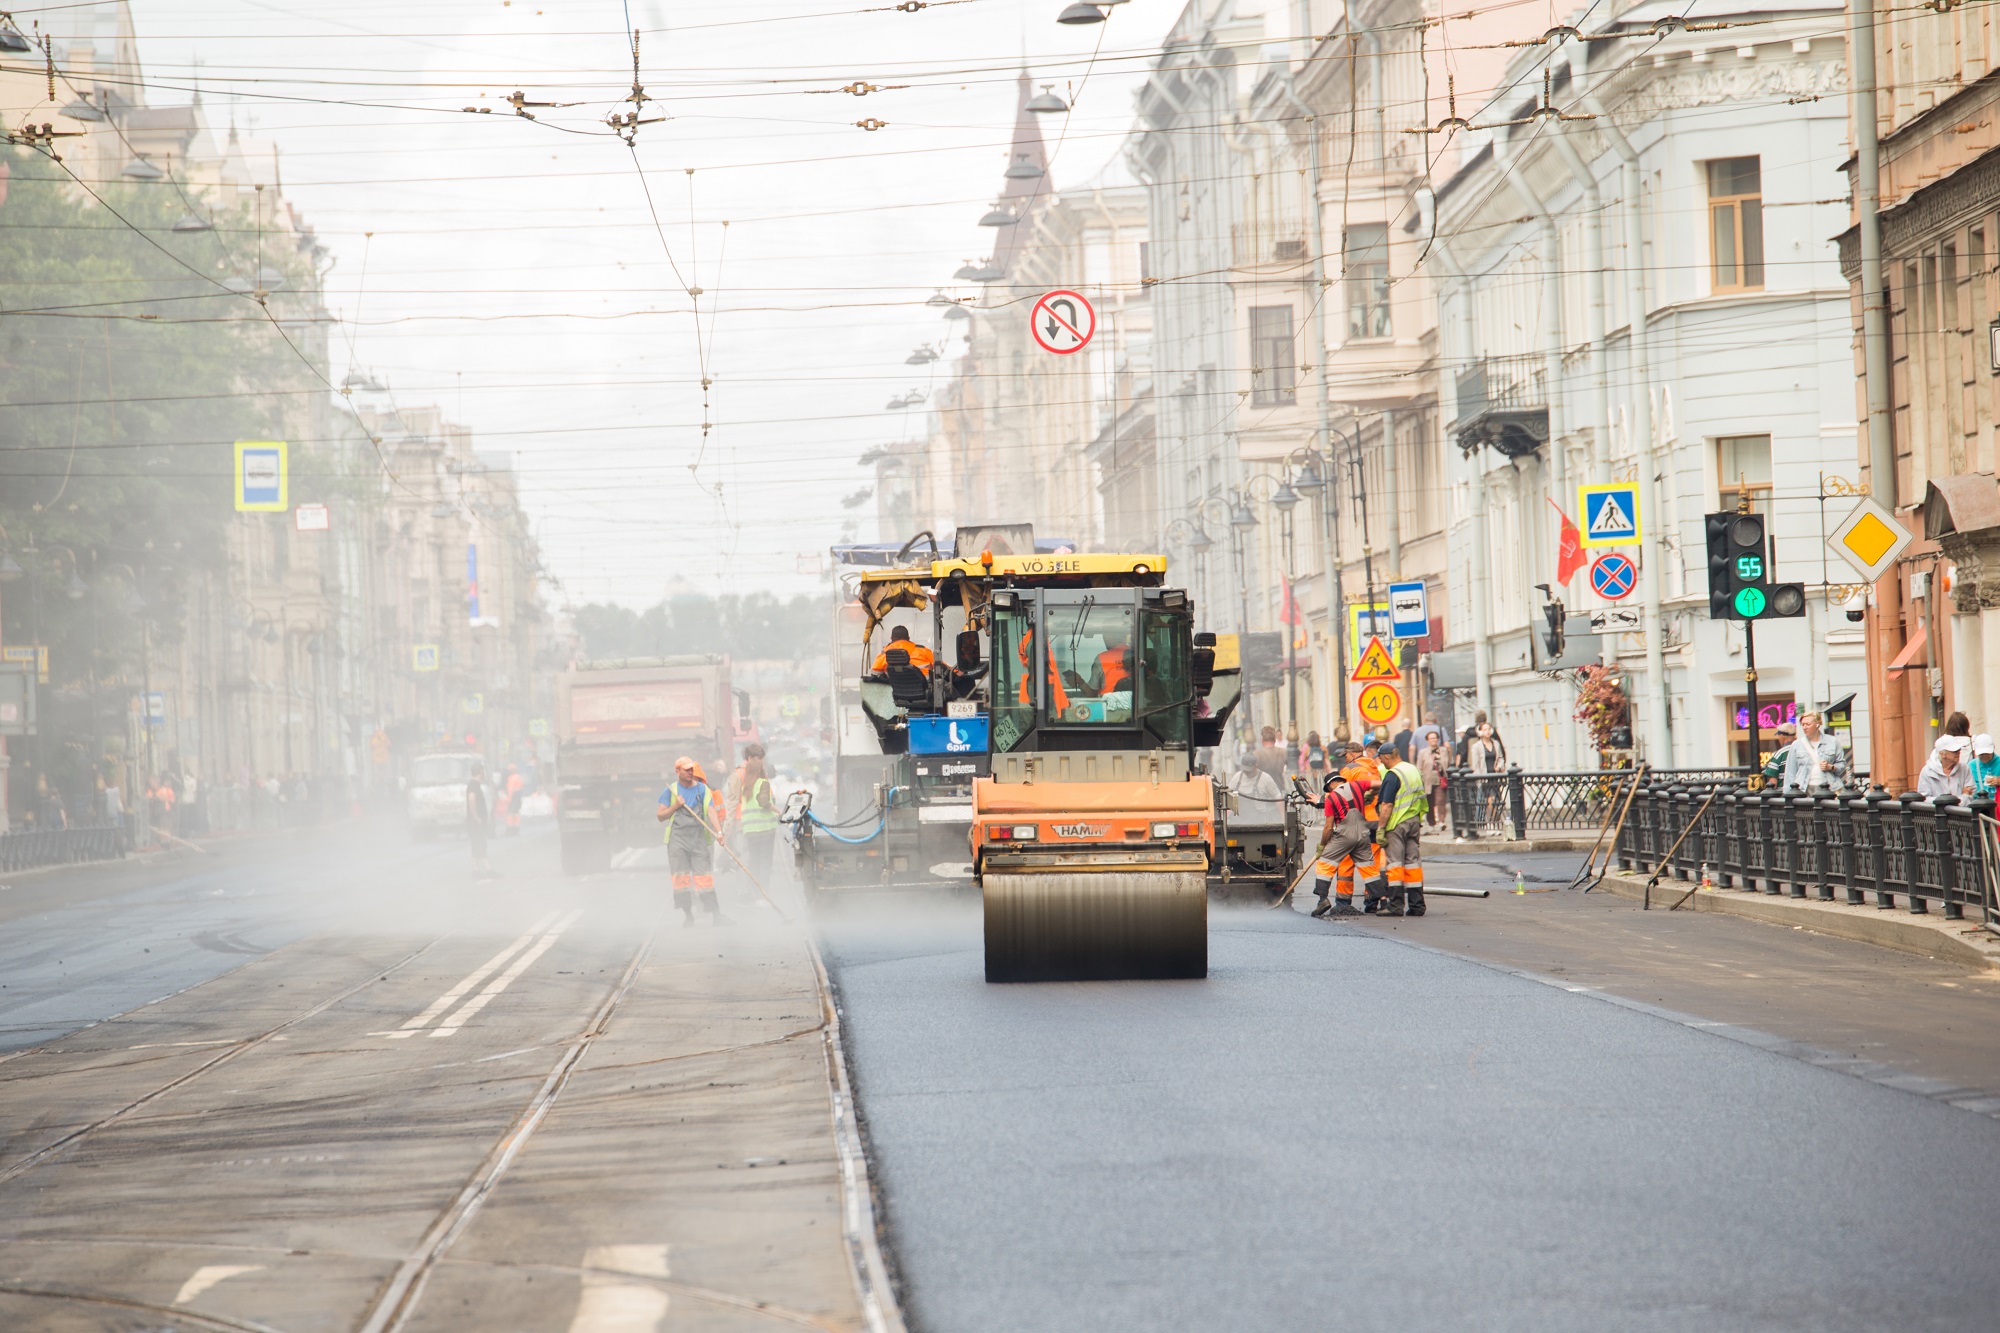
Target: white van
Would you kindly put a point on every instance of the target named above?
(434, 794)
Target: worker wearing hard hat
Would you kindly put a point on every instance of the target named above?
(1402, 792)
(1346, 843)
(920, 656)
(1362, 767)
(692, 813)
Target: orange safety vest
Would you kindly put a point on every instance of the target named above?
(1368, 774)
(1060, 695)
(1111, 663)
(920, 656)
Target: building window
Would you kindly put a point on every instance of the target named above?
(1736, 224)
(1743, 468)
(1145, 260)
(1367, 265)
(1273, 364)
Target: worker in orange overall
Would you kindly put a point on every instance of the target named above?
(1362, 766)
(1346, 842)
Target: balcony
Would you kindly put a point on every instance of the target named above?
(1503, 405)
(1255, 246)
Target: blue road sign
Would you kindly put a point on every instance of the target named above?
(1409, 611)
(1610, 513)
(1613, 576)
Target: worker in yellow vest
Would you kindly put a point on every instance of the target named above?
(756, 812)
(1402, 796)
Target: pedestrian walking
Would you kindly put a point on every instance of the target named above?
(693, 815)
(756, 817)
(1346, 843)
(1402, 793)
(1405, 739)
(1433, 761)
(1782, 737)
(1270, 757)
(1486, 757)
(1312, 760)
(1815, 762)
(1985, 768)
(478, 823)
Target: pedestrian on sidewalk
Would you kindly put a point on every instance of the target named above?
(1403, 803)
(1433, 760)
(1782, 737)
(1404, 741)
(478, 823)
(1312, 761)
(1985, 768)
(1946, 773)
(692, 814)
(1271, 757)
(1815, 762)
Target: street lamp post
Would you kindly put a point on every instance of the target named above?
(1317, 474)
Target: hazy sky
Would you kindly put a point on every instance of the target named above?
(516, 277)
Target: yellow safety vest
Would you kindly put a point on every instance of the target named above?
(1411, 802)
(757, 819)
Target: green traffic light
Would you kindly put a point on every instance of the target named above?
(1750, 602)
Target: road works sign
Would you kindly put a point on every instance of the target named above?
(1377, 664)
(1869, 539)
(1062, 322)
(260, 476)
(1613, 576)
(1378, 703)
(1610, 513)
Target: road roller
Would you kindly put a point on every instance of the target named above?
(1073, 693)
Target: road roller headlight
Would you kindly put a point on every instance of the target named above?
(1011, 833)
(1163, 829)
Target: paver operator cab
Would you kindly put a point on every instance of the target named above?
(1077, 692)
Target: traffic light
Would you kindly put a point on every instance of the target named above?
(1739, 572)
(1557, 615)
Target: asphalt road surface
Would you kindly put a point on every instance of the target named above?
(330, 1083)
(1343, 1127)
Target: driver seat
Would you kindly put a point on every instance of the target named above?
(908, 684)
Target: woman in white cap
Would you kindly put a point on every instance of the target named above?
(1947, 773)
(1985, 768)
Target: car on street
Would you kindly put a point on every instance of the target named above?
(434, 793)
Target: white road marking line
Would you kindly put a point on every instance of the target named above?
(627, 857)
(611, 1302)
(500, 983)
(210, 1274)
(457, 993)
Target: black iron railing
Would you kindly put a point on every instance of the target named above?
(25, 849)
(1520, 803)
(1836, 846)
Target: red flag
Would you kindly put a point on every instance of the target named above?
(1290, 614)
(1569, 548)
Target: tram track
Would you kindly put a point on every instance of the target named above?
(49, 1151)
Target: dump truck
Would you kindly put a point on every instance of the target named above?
(1077, 688)
(620, 724)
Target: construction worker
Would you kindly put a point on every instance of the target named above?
(1058, 696)
(693, 816)
(899, 637)
(1402, 791)
(1363, 767)
(1114, 668)
(1345, 835)
(756, 814)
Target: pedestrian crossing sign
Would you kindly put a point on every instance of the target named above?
(1610, 513)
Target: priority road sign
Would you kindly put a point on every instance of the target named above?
(1062, 322)
(1613, 576)
(1378, 702)
(260, 476)
(1409, 610)
(1376, 664)
(1610, 513)
(1869, 539)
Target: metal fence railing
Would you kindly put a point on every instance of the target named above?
(1522, 803)
(25, 849)
(1840, 845)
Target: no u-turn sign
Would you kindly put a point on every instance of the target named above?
(1062, 322)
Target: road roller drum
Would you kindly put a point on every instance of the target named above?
(1095, 925)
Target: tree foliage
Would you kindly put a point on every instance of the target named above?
(128, 369)
(757, 625)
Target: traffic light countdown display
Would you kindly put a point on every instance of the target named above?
(1739, 573)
